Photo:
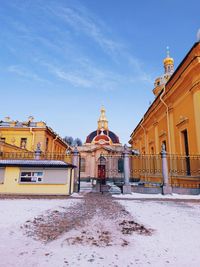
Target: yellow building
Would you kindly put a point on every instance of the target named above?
(27, 135)
(8, 148)
(173, 118)
(36, 177)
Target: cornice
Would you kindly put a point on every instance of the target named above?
(162, 133)
(183, 120)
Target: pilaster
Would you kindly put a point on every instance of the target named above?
(196, 103)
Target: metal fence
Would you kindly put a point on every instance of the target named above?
(184, 165)
(151, 165)
(183, 171)
(31, 155)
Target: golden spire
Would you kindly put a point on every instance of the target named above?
(103, 122)
(169, 69)
(168, 62)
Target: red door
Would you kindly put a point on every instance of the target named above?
(101, 171)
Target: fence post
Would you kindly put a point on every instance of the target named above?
(126, 187)
(75, 161)
(166, 188)
(38, 151)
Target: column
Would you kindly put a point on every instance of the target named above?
(167, 189)
(38, 151)
(126, 186)
(196, 103)
(75, 161)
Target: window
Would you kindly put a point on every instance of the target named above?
(23, 143)
(186, 148)
(120, 165)
(82, 165)
(31, 177)
(165, 144)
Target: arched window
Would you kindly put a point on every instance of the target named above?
(102, 160)
(165, 144)
(120, 165)
(82, 165)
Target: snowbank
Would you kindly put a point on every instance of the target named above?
(156, 196)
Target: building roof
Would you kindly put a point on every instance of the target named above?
(102, 136)
(17, 125)
(35, 163)
(98, 135)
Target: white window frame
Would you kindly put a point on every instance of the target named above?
(36, 176)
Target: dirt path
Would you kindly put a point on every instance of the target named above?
(97, 220)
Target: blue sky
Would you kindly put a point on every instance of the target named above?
(61, 60)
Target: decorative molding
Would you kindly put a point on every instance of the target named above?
(162, 133)
(182, 120)
(195, 87)
(151, 142)
(171, 108)
(155, 122)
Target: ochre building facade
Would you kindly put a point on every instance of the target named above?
(173, 119)
(25, 136)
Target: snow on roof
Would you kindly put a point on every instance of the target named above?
(35, 163)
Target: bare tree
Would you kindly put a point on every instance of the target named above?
(77, 142)
(72, 142)
(69, 140)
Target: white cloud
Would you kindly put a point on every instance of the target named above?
(84, 22)
(85, 76)
(20, 71)
(65, 61)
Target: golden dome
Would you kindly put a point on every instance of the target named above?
(168, 60)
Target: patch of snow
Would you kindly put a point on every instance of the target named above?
(157, 196)
(174, 242)
(76, 195)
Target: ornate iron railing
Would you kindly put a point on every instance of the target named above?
(180, 165)
(32, 155)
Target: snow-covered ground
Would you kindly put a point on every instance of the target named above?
(158, 196)
(175, 240)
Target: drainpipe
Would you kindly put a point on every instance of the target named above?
(168, 126)
(33, 137)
